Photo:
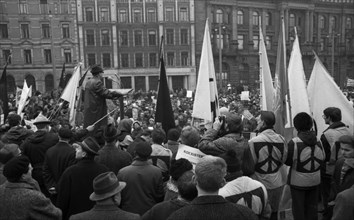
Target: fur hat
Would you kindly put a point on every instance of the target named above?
(96, 69)
(110, 132)
(143, 149)
(15, 167)
(105, 186)
(178, 167)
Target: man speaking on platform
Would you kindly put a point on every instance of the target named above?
(95, 99)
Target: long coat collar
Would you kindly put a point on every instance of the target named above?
(212, 199)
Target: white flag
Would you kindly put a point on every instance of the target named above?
(299, 101)
(267, 89)
(70, 92)
(206, 103)
(323, 92)
(24, 95)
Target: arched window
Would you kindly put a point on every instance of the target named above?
(49, 83)
(11, 84)
(348, 23)
(332, 23)
(255, 18)
(219, 16)
(239, 17)
(321, 22)
(268, 19)
(292, 20)
(244, 73)
(31, 82)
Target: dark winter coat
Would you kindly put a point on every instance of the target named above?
(106, 212)
(211, 208)
(22, 201)
(144, 187)
(35, 148)
(95, 106)
(16, 135)
(114, 158)
(163, 210)
(75, 187)
(57, 160)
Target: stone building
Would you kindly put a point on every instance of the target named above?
(40, 36)
(235, 26)
(124, 36)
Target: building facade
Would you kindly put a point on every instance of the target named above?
(235, 27)
(40, 36)
(124, 36)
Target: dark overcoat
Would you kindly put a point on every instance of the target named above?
(35, 148)
(213, 207)
(106, 212)
(95, 106)
(75, 187)
(57, 159)
(113, 157)
(144, 186)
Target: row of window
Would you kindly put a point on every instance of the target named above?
(25, 31)
(47, 55)
(136, 15)
(106, 59)
(138, 39)
(62, 7)
(222, 17)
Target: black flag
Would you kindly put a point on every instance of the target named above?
(164, 113)
(3, 93)
(62, 82)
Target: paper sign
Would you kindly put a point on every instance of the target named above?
(247, 114)
(245, 96)
(189, 93)
(189, 153)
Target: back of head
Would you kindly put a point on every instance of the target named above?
(65, 133)
(334, 113)
(210, 172)
(268, 117)
(13, 119)
(190, 136)
(158, 136)
(110, 133)
(143, 150)
(234, 122)
(303, 122)
(186, 187)
(15, 168)
(347, 139)
(173, 134)
(179, 167)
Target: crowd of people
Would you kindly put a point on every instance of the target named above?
(130, 168)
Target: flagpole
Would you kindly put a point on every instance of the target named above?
(105, 116)
(260, 66)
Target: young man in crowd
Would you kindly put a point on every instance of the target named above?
(209, 177)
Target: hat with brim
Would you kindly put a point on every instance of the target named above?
(90, 146)
(105, 186)
(41, 119)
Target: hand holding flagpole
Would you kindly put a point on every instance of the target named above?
(104, 116)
